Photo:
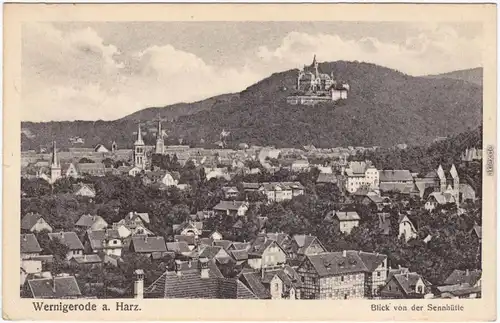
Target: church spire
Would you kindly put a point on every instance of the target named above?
(159, 134)
(55, 161)
(139, 140)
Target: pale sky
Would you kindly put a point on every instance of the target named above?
(90, 71)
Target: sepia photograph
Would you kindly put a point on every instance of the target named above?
(331, 160)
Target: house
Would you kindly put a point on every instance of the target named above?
(127, 227)
(189, 239)
(438, 198)
(178, 248)
(300, 165)
(61, 287)
(191, 228)
(71, 171)
(395, 181)
(134, 171)
(461, 284)
(332, 275)
(107, 241)
(467, 193)
(405, 285)
(283, 239)
(214, 172)
(213, 252)
(199, 279)
(101, 149)
(147, 245)
(476, 231)
(34, 222)
(347, 220)
(281, 191)
(264, 253)
(92, 169)
(29, 246)
(470, 277)
(89, 261)
(274, 283)
(160, 177)
(230, 192)
(376, 273)
(231, 208)
(305, 245)
(137, 217)
(93, 222)
(360, 174)
(84, 190)
(70, 240)
(30, 268)
(407, 228)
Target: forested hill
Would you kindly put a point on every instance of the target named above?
(384, 108)
(473, 75)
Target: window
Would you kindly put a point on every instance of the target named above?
(341, 278)
(378, 273)
(276, 287)
(302, 278)
(420, 290)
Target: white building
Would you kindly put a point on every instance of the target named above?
(361, 174)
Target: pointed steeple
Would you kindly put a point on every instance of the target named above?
(139, 140)
(55, 161)
(453, 172)
(440, 172)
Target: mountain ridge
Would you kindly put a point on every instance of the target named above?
(384, 107)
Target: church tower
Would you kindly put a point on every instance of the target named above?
(159, 149)
(139, 150)
(442, 179)
(315, 65)
(55, 167)
(114, 147)
(456, 183)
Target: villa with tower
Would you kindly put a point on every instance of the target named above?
(314, 87)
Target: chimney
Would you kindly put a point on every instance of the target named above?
(139, 284)
(344, 253)
(467, 272)
(178, 270)
(262, 271)
(204, 270)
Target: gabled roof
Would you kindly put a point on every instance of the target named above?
(230, 205)
(79, 186)
(463, 277)
(260, 244)
(148, 244)
(240, 246)
(223, 243)
(29, 220)
(347, 216)
(279, 237)
(57, 287)
(336, 263)
(70, 239)
(189, 239)
(29, 244)
(395, 176)
(442, 198)
(304, 241)
(253, 281)
(239, 255)
(98, 237)
(88, 221)
(190, 284)
(178, 247)
(209, 252)
(327, 178)
(408, 282)
(371, 260)
(87, 259)
(477, 230)
(134, 215)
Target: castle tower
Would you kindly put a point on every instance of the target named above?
(55, 167)
(159, 148)
(139, 150)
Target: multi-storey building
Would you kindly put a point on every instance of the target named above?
(360, 175)
(332, 275)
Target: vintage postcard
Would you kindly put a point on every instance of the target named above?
(249, 162)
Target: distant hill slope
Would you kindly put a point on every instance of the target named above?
(384, 107)
(473, 75)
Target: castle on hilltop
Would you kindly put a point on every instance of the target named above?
(314, 87)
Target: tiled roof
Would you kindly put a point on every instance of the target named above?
(459, 289)
(395, 176)
(88, 259)
(404, 188)
(209, 252)
(253, 281)
(190, 284)
(29, 220)
(240, 246)
(463, 277)
(77, 187)
(57, 287)
(29, 244)
(335, 263)
(223, 243)
(189, 239)
(178, 247)
(70, 239)
(327, 178)
(229, 205)
(347, 216)
(98, 237)
(442, 198)
(304, 241)
(259, 245)
(371, 260)
(408, 282)
(239, 255)
(134, 215)
(148, 244)
(280, 237)
(88, 220)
